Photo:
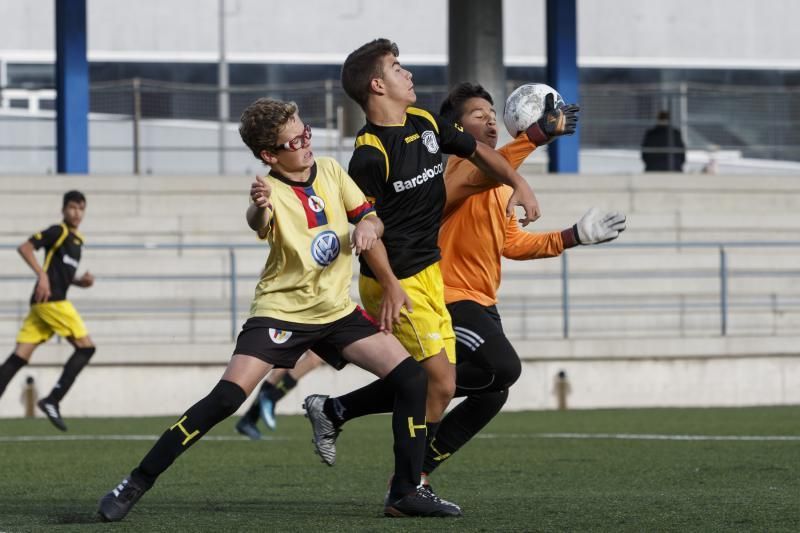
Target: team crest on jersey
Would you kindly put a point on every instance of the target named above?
(279, 336)
(429, 140)
(325, 248)
(316, 204)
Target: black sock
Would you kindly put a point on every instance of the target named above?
(9, 369)
(223, 400)
(432, 428)
(282, 388)
(377, 397)
(273, 392)
(461, 424)
(78, 360)
(409, 383)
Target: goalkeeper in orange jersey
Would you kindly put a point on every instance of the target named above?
(475, 212)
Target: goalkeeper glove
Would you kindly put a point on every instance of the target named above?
(555, 121)
(595, 226)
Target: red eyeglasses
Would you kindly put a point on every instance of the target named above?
(301, 141)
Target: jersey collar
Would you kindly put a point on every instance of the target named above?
(293, 183)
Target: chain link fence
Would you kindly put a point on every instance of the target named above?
(142, 126)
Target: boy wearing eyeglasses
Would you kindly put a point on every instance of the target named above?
(302, 301)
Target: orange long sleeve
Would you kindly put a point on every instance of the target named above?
(475, 233)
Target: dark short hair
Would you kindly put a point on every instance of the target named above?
(364, 65)
(453, 105)
(73, 196)
(663, 115)
(262, 122)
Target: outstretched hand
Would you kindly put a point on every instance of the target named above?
(596, 227)
(555, 122)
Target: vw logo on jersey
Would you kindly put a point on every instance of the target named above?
(429, 140)
(316, 204)
(325, 248)
(279, 336)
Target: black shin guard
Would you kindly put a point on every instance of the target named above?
(461, 424)
(9, 369)
(223, 400)
(78, 360)
(409, 383)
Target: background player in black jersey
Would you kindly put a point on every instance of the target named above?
(398, 164)
(50, 311)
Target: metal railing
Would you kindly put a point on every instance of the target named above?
(144, 126)
(717, 304)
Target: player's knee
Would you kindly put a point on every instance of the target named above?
(86, 352)
(503, 361)
(441, 389)
(507, 372)
(409, 376)
(227, 397)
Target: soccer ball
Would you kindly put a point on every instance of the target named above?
(526, 105)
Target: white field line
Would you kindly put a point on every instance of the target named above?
(635, 436)
(55, 438)
(576, 436)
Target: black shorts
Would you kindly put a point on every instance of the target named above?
(281, 343)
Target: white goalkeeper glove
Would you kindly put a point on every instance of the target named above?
(595, 226)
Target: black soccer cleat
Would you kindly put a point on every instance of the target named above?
(50, 410)
(422, 503)
(116, 504)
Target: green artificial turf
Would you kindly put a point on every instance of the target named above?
(529, 471)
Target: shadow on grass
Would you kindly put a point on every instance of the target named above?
(75, 518)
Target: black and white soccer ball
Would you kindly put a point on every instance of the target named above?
(526, 105)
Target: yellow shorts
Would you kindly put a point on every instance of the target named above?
(428, 329)
(51, 317)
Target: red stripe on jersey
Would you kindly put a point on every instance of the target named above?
(358, 213)
(313, 218)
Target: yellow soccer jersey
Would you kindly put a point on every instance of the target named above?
(309, 269)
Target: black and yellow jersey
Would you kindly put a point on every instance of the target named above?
(400, 170)
(62, 247)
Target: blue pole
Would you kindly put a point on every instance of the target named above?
(723, 291)
(562, 75)
(232, 255)
(72, 88)
(565, 293)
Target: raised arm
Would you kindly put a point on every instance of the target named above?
(496, 167)
(259, 213)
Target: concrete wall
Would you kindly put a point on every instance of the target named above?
(658, 372)
(713, 33)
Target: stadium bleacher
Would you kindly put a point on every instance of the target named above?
(163, 302)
